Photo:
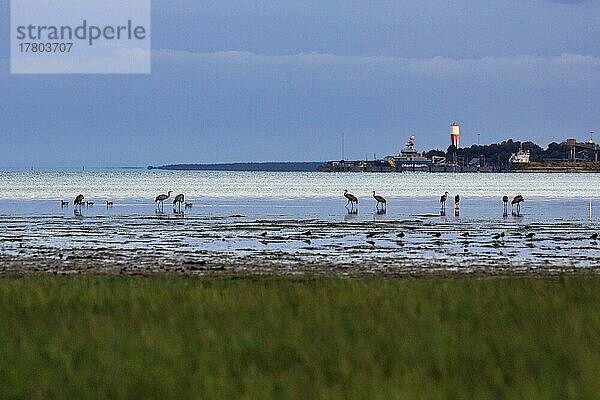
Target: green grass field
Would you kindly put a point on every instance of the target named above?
(171, 337)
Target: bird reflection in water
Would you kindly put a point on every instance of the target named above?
(178, 214)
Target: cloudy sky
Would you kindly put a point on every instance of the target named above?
(236, 80)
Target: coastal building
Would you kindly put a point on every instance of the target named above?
(521, 157)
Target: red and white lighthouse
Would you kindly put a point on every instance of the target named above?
(454, 134)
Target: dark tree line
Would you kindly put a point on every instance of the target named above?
(499, 153)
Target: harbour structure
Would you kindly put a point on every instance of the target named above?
(408, 159)
(357, 166)
(580, 151)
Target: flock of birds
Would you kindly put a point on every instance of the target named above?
(380, 200)
(159, 200)
(352, 200)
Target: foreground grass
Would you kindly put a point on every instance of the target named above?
(116, 337)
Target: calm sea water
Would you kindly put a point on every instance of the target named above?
(282, 185)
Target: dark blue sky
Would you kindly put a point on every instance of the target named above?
(263, 80)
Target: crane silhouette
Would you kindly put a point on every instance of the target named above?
(505, 201)
(179, 199)
(78, 200)
(352, 199)
(162, 197)
(443, 199)
(380, 200)
(517, 201)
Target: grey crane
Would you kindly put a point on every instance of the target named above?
(380, 200)
(352, 199)
(179, 199)
(162, 197)
(78, 200)
(443, 199)
(517, 201)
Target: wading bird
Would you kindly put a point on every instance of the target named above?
(380, 200)
(179, 199)
(517, 200)
(498, 236)
(188, 205)
(162, 197)
(109, 203)
(505, 201)
(443, 199)
(89, 203)
(78, 200)
(64, 203)
(352, 199)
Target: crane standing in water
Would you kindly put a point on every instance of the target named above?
(443, 199)
(517, 201)
(380, 200)
(78, 200)
(352, 199)
(162, 197)
(179, 199)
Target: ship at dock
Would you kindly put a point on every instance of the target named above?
(408, 159)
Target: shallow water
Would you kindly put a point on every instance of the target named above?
(297, 222)
(292, 185)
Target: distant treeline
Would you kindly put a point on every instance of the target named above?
(498, 154)
(251, 166)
